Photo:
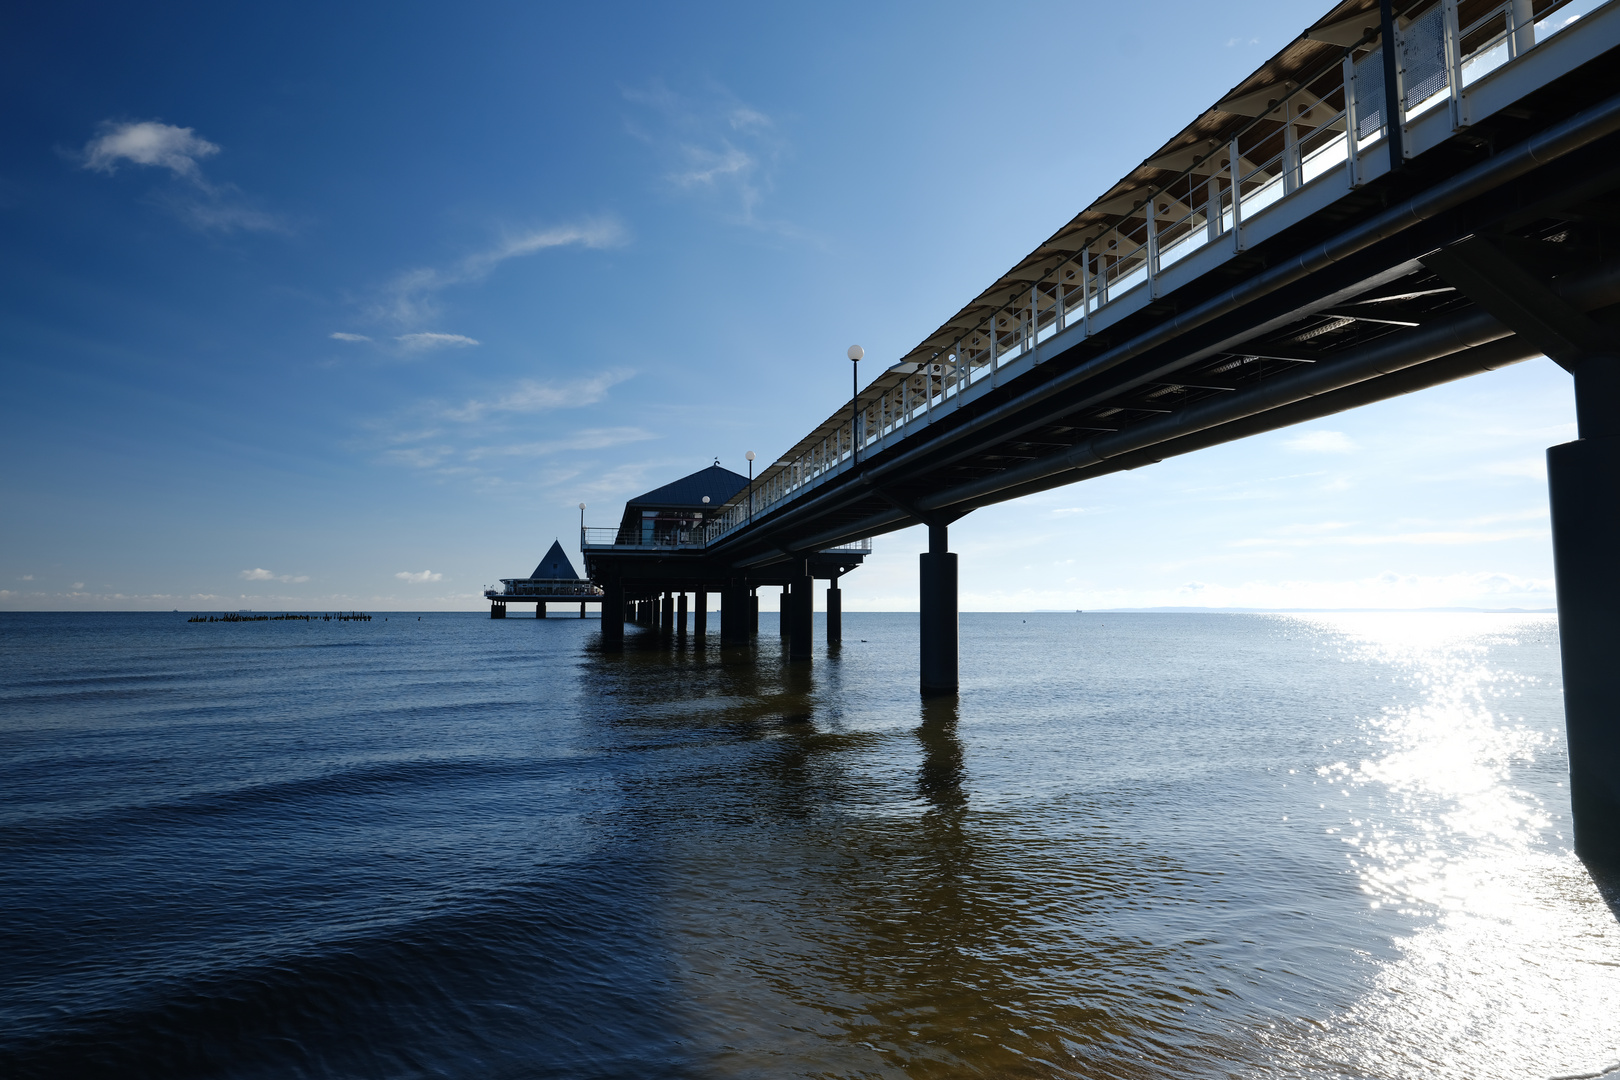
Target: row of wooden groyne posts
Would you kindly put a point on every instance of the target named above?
(234, 616)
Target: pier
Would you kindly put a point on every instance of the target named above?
(554, 581)
(1407, 194)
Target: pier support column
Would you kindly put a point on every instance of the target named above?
(582, 609)
(784, 624)
(733, 615)
(936, 614)
(666, 622)
(680, 615)
(700, 616)
(497, 610)
(753, 612)
(1583, 479)
(835, 613)
(613, 614)
(540, 610)
(802, 615)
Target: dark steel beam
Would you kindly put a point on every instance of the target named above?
(1519, 301)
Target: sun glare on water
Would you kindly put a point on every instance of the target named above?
(1514, 970)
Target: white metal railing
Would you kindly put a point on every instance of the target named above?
(1320, 129)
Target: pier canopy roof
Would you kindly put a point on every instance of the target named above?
(679, 504)
(1246, 116)
(555, 566)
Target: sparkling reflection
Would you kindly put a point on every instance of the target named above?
(1513, 958)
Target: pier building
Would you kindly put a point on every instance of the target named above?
(554, 581)
(1410, 192)
(656, 561)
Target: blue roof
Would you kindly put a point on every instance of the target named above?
(718, 483)
(555, 564)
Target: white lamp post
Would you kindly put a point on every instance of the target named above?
(855, 353)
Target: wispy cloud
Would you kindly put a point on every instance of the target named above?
(1321, 442)
(587, 439)
(412, 296)
(420, 577)
(712, 145)
(531, 396)
(148, 142)
(259, 573)
(343, 335)
(199, 203)
(421, 342)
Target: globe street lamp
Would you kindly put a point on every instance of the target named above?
(750, 457)
(581, 525)
(855, 353)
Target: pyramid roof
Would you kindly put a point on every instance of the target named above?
(555, 564)
(717, 482)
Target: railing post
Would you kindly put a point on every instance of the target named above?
(1352, 153)
(1394, 105)
(1085, 291)
(1212, 208)
(1152, 248)
(1236, 171)
(1459, 97)
(1035, 320)
(1290, 161)
(995, 346)
(1524, 28)
(1058, 321)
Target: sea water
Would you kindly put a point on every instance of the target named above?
(1137, 845)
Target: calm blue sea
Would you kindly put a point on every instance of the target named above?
(1141, 845)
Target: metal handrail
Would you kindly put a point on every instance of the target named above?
(1090, 281)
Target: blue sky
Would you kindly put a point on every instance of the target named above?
(315, 307)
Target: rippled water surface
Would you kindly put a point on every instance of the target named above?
(1136, 846)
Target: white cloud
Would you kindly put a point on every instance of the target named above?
(78, 585)
(217, 212)
(259, 573)
(201, 204)
(424, 340)
(410, 296)
(713, 144)
(148, 142)
(419, 578)
(1321, 442)
(28, 577)
(530, 396)
(589, 439)
(343, 335)
(708, 166)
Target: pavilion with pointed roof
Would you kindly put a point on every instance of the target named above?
(554, 579)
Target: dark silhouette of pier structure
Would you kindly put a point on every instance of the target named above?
(554, 581)
(1405, 195)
